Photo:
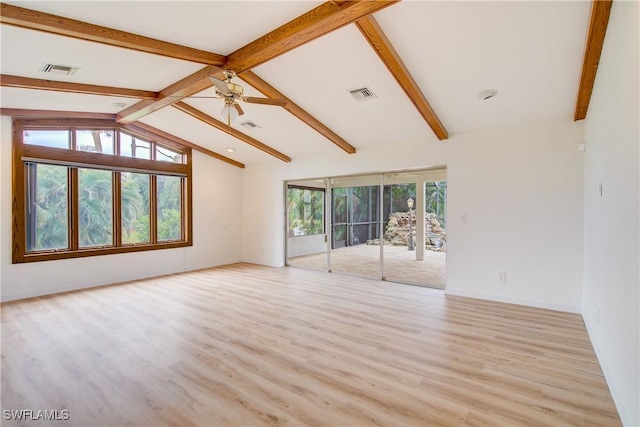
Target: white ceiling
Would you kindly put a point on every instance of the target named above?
(530, 52)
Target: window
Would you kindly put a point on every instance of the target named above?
(47, 207)
(47, 138)
(169, 208)
(97, 141)
(85, 187)
(95, 205)
(131, 146)
(134, 206)
(306, 211)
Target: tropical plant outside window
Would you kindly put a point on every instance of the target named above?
(306, 211)
(73, 201)
(135, 207)
(47, 213)
(95, 194)
(436, 200)
(169, 208)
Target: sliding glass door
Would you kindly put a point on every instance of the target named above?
(388, 226)
(355, 225)
(306, 234)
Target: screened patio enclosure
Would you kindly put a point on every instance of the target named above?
(363, 225)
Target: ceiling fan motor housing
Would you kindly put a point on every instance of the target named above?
(236, 90)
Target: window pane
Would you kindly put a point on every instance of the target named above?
(306, 211)
(47, 138)
(135, 208)
(97, 141)
(169, 210)
(95, 193)
(134, 147)
(47, 207)
(166, 155)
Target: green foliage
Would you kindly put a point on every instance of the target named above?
(48, 221)
(135, 207)
(356, 208)
(96, 207)
(169, 225)
(436, 200)
(306, 211)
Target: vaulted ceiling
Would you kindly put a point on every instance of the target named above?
(425, 61)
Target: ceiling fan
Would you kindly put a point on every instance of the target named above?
(232, 93)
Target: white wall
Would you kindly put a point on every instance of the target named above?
(216, 203)
(519, 186)
(611, 257)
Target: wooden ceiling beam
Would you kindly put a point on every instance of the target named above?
(58, 86)
(53, 114)
(322, 20)
(309, 26)
(194, 83)
(378, 40)
(144, 129)
(203, 117)
(600, 11)
(264, 87)
(54, 24)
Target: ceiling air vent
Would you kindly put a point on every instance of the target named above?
(362, 94)
(58, 69)
(249, 125)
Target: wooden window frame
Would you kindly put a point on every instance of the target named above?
(74, 159)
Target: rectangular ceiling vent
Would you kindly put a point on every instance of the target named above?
(362, 94)
(249, 125)
(58, 69)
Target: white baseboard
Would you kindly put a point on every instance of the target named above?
(536, 304)
(53, 291)
(617, 399)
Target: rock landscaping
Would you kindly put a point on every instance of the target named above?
(397, 231)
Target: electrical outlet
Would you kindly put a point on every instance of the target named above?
(502, 276)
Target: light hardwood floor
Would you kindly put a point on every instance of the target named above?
(400, 265)
(247, 345)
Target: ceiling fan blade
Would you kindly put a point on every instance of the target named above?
(265, 101)
(221, 86)
(238, 109)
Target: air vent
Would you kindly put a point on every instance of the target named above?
(249, 124)
(58, 69)
(362, 94)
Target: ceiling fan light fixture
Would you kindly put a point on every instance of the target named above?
(229, 113)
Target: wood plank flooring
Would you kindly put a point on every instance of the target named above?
(247, 345)
(400, 265)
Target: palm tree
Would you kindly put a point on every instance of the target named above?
(49, 218)
(169, 200)
(95, 207)
(135, 207)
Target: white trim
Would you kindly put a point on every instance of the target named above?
(54, 291)
(617, 399)
(536, 304)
